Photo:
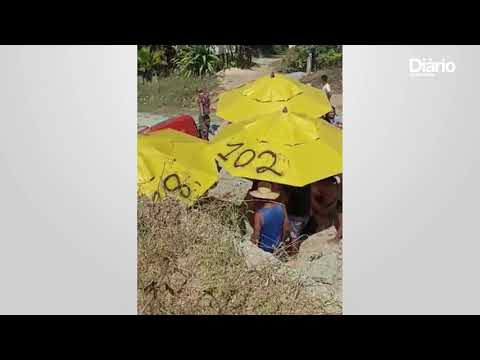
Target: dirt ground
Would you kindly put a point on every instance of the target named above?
(234, 77)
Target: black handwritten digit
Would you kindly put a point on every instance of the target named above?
(237, 146)
(189, 191)
(183, 189)
(177, 179)
(239, 157)
(262, 169)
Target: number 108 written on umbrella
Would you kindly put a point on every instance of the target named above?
(173, 184)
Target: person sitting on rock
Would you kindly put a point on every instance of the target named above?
(270, 220)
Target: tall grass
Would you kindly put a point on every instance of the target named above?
(172, 91)
(189, 263)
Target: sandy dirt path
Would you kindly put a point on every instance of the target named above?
(231, 78)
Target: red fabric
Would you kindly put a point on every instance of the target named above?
(184, 123)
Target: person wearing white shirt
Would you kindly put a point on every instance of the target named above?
(326, 86)
(330, 116)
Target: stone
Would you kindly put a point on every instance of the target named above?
(256, 257)
(319, 244)
(323, 269)
(319, 257)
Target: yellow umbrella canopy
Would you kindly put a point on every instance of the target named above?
(285, 148)
(269, 94)
(172, 162)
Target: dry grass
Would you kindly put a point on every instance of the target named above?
(188, 263)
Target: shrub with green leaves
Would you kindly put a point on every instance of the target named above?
(295, 59)
(196, 60)
(330, 57)
(323, 56)
(279, 49)
(149, 61)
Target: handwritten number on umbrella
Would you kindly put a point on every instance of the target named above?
(262, 169)
(239, 157)
(236, 146)
(253, 155)
(188, 193)
(184, 189)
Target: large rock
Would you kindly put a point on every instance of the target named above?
(319, 244)
(318, 265)
(320, 257)
(256, 257)
(323, 269)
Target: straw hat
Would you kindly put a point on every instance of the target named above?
(264, 191)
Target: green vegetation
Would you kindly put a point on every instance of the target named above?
(153, 61)
(172, 91)
(171, 74)
(323, 56)
(279, 49)
(196, 60)
(238, 56)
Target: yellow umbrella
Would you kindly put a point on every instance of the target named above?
(172, 162)
(269, 94)
(285, 148)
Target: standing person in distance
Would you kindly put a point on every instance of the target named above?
(330, 116)
(203, 102)
(326, 86)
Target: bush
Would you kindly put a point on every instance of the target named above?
(238, 56)
(323, 56)
(150, 61)
(269, 50)
(295, 59)
(279, 49)
(331, 57)
(196, 60)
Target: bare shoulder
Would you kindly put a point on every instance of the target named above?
(258, 217)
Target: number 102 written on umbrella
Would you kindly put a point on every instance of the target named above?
(243, 157)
